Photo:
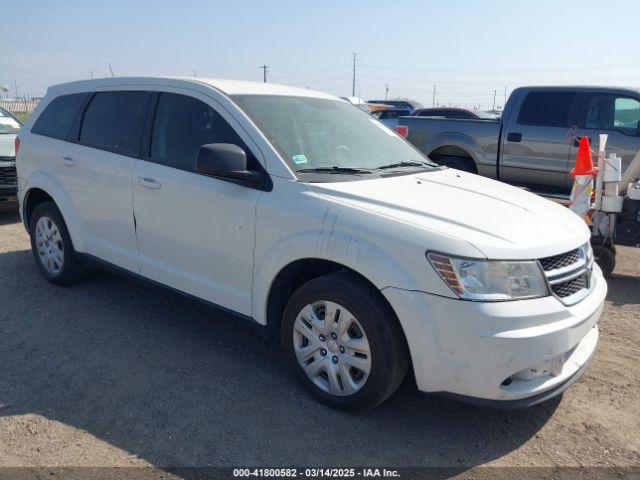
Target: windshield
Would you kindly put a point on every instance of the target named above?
(315, 133)
(8, 123)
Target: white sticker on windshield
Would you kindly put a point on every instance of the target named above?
(383, 127)
(298, 159)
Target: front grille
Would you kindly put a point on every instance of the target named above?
(560, 261)
(568, 274)
(8, 176)
(570, 287)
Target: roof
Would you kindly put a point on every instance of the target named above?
(581, 88)
(227, 86)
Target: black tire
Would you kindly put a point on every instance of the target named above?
(71, 270)
(389, 352)
(605, 258)
(459, 163)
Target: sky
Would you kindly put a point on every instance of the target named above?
(467, 49)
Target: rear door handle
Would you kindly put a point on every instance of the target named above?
(514, 137)
(148, 182)
(68, 161)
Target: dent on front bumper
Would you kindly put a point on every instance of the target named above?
(505, 354)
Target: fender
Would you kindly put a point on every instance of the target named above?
(355, 253)
(45, 181)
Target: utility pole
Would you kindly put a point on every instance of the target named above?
(433, 103)
(353, 87)
(264, 69)
(15, 84)
(91, 74)
(195, 74)
(386, 91)
(494, 101)
(111, 70)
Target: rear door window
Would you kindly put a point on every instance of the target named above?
(548, 109)
(626, 115)
(114, 121)
(182, 124)
(603, 111)
(56, 119)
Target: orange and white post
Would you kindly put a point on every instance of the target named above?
(583, 174)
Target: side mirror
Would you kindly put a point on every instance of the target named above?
(225, 160)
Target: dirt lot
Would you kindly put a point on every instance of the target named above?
(115, 372)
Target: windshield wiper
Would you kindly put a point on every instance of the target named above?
(346, 170)
(409, 163)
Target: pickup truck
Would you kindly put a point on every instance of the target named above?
(534, 144)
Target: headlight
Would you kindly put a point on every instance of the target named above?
(490, 280)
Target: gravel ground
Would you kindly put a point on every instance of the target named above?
(115, 372)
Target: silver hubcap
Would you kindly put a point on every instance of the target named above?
(49, 245)
(332, 347)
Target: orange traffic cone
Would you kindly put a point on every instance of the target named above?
(584, 163)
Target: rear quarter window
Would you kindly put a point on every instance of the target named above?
(56, 119)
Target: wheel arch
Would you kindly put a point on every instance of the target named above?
(43, 187)
(295, 274)
(322, 252)
(456, 145)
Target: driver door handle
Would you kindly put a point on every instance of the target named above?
(514, 137)
(148, 182)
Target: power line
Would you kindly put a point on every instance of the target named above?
(474, 72)
(264, 69)
(453, 82)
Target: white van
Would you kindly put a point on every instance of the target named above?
(295, 210)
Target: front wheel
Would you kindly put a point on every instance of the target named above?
(344, 342)
(605, 257)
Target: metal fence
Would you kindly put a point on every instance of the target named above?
(20, 106)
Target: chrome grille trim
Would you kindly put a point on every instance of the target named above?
(568, 275)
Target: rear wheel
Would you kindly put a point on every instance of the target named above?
(52, 247)
(459, 163)
(344, 342)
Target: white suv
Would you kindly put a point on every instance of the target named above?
(295, 210)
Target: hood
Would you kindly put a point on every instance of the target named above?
(7, 144)
(501, 221)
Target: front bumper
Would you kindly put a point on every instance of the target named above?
(510, 354)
